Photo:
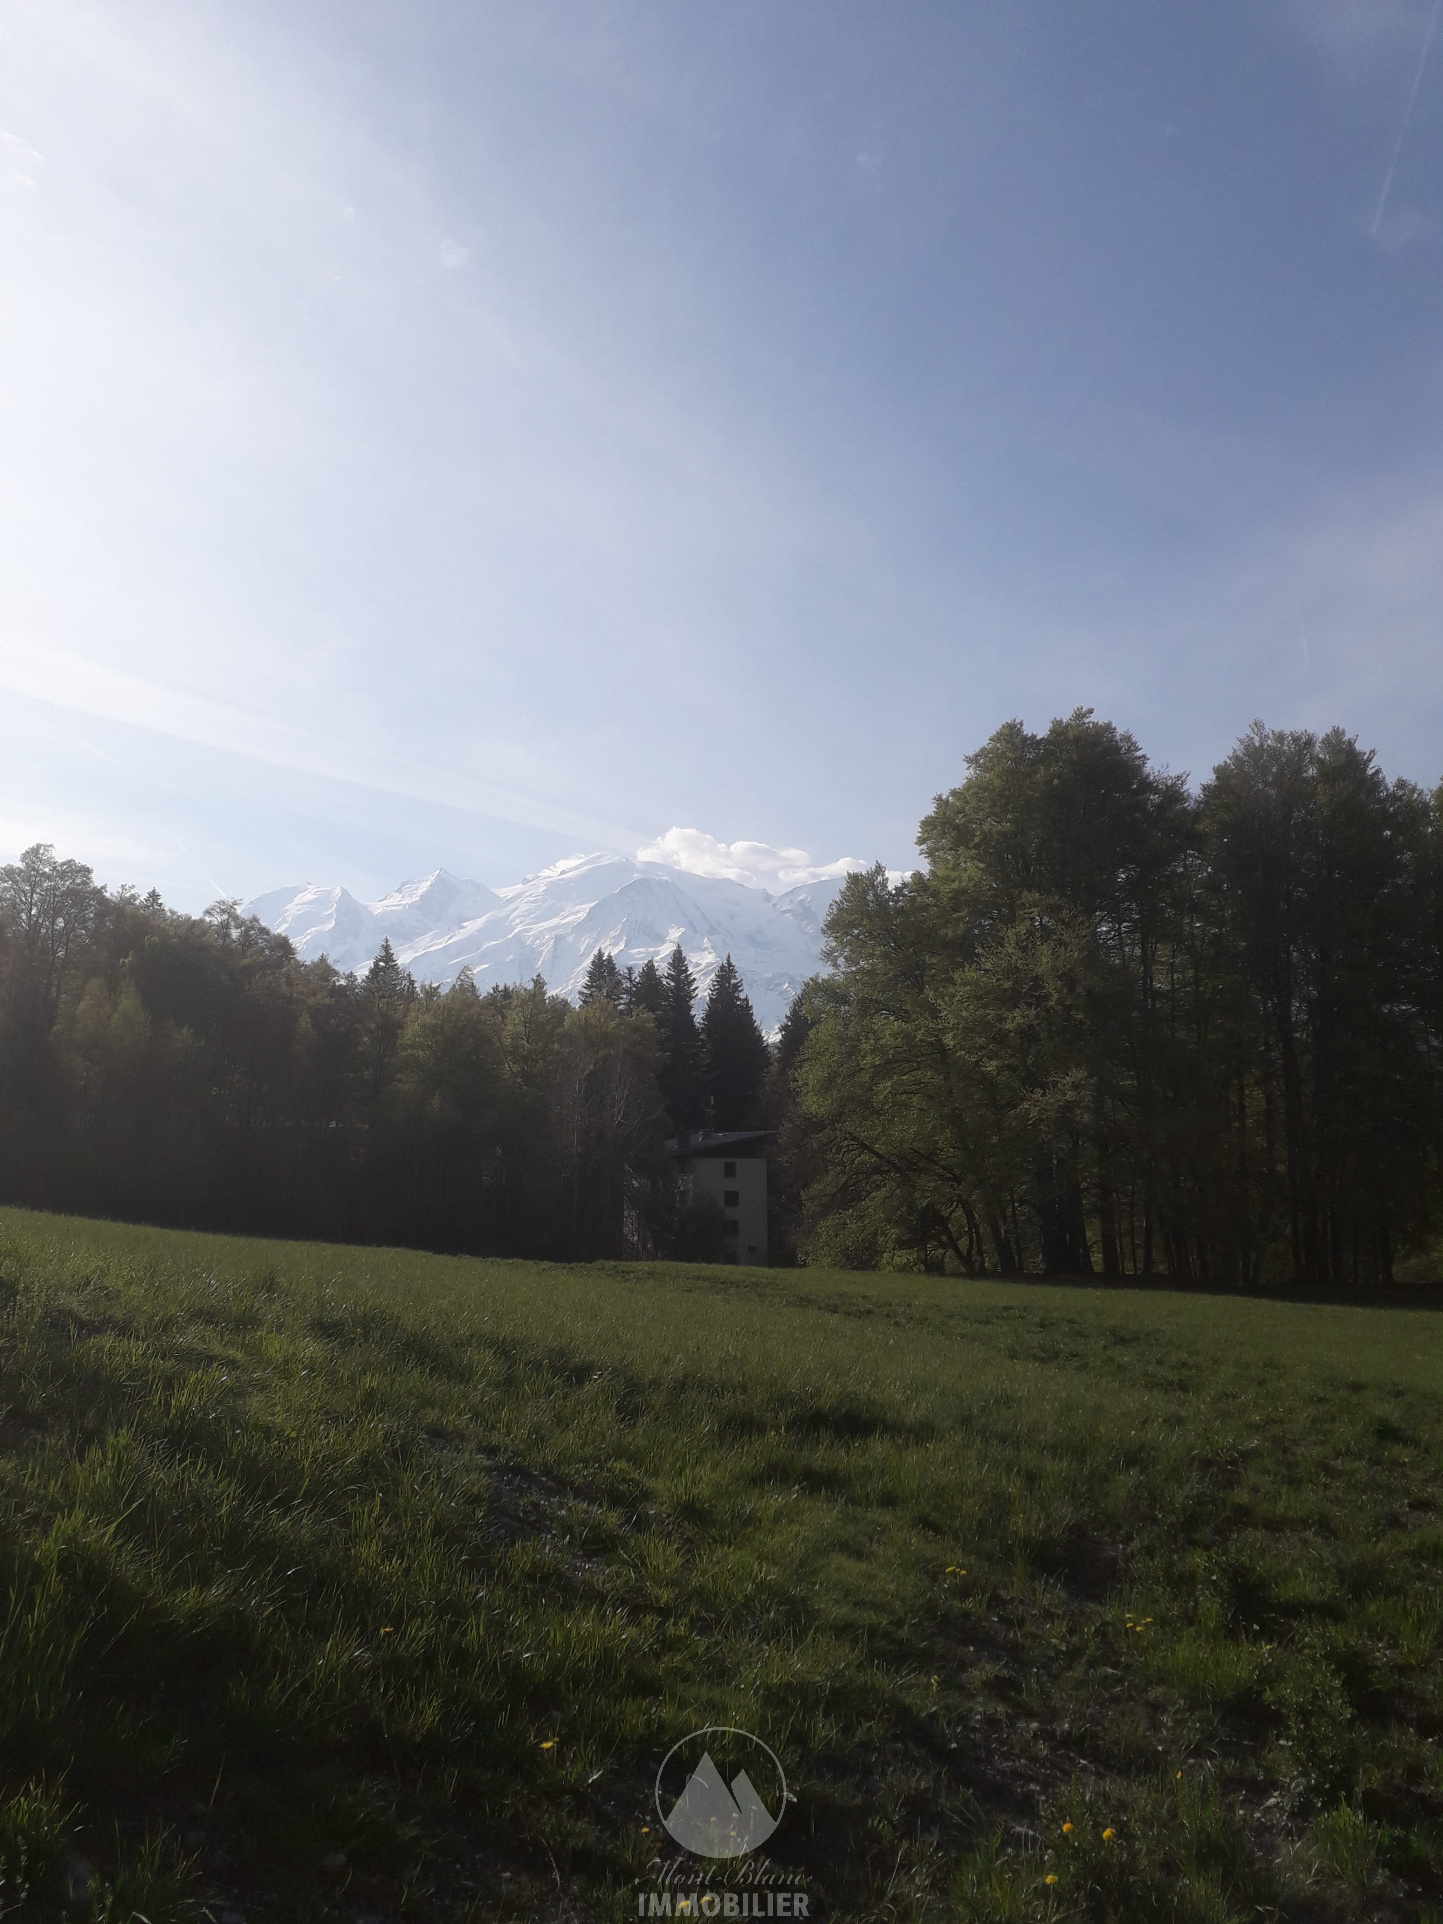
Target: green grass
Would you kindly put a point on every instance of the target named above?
(343, 1583)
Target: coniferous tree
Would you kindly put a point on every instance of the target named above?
(603, 981)
(645, 990)
(389, 985)
(680, 1070)
(1111, 1025)
(792, 1036)
(389, 991)
(734, 1052)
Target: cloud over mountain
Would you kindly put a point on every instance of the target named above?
(756, 864)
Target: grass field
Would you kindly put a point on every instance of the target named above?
(352, 1584)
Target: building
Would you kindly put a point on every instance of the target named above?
(727, 1166)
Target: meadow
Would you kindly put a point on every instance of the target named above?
(351, 1584)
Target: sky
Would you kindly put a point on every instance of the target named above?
(469, 434)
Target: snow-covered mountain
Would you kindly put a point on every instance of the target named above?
(554, 922)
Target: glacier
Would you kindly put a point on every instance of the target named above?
(554, 922)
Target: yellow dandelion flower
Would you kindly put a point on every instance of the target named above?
(1051, 1878)
(1179, 1777)
(1065, 1829)
(549, 1744)
(1108, 1834)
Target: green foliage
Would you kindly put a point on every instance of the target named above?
(796, 1027)
(361, 1582)
(1113, 1028)
(608, 1116)
(603, 982)
(49, 908)
(734, 1053)
(681, 1062)
(195, 1071)
(643, 990)
(1327, 882)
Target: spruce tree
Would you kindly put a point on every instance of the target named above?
(680, 1071)
(391, 987)
(603, 981)
(735, 1054)
(645, 990)
(796, 1027)
(391, 990)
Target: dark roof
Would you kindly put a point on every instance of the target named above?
(713, 1142)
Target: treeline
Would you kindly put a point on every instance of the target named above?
(195, 1072)
(1114, 1026)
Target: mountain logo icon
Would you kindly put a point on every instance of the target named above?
(717, 1814)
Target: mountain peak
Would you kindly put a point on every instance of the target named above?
(554, 922)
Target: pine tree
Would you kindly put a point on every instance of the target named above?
(791, 1038)
(391, 991)
(735, 1054)
(391, 987)
(679, 1074)
(645, 991)
(603, 981)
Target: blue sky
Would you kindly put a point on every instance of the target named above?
(465, 434)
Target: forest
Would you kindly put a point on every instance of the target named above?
(194, 1072)
(1111, 1026)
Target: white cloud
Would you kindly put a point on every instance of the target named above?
(453, 254)
(757, 864)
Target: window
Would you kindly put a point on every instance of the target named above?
(731, 1227)
(731, 1199)
(729, 1172)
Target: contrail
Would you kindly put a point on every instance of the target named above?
(1407, 116)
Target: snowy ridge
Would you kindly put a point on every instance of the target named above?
(554, 922)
